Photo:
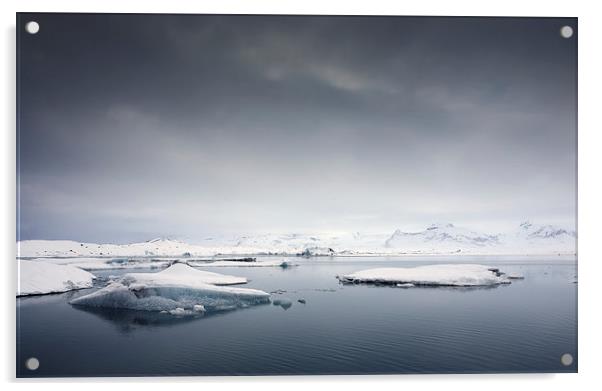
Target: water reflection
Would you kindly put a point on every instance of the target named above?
(454, 288)
(284, 303)
(128, 321)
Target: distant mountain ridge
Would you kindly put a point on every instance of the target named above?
(545, 231)
(442, 233)
(445, 238)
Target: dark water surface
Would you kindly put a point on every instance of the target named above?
(342, 329)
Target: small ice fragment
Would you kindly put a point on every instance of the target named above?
(406, 285)
(178, 311)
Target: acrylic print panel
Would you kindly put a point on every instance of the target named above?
(279, 195)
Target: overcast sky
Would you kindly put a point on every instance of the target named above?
(132, 127)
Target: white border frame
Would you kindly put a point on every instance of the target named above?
(589, 198)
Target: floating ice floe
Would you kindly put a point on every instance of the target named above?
(38, 278)
(431, 275)
(94, 263)
(269, 263)
(179, 289)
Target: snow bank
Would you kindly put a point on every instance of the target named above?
(445, 275)
(179, 289)
(36, 278)
(69, 248)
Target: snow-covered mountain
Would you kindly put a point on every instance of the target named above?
(544, 238)
(435, 239)
(545, 232)
(441, 237)
(448, 238)
(208, 247)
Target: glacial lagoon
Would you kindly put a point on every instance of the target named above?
(317, 325)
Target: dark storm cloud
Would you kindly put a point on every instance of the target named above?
(139, 125)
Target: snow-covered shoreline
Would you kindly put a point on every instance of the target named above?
(437, 239)
(40, 278)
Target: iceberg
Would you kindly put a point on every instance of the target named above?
(38, 278)
(180, 290)
(431, 275)
(182, 274)
(269, 263)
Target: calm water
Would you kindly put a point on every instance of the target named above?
(522, 327)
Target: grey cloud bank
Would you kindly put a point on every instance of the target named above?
(134, 126)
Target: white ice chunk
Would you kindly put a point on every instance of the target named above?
(178, 311)
(183, 274)
(36, 278)
(447, 275)
(177, 287)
